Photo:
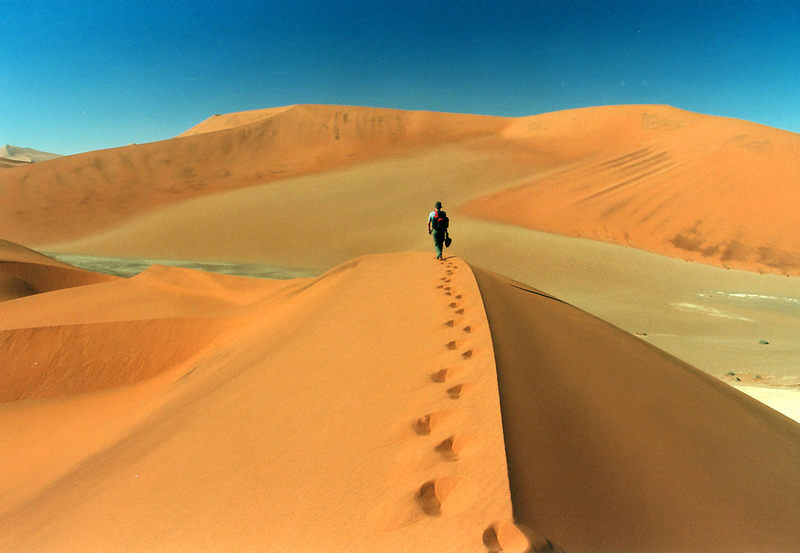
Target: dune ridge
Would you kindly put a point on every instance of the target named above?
(393, 403)
(86, 193)
(14, 156)
(641, 176)
(221, 122)
(291, 427)
(647, 177)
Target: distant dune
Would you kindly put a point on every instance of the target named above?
(13, 156)
(397, 403)
(690, 186)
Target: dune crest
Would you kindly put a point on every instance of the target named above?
(108, 188)
(393, 403)
(282, 420)
(221, 122)
(656, 178)
(691, 186)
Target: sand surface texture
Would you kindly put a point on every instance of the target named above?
(614, 445)
(353, 412)
(653, 177)
(309, 187)
(395, 403)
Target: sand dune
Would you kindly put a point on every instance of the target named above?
(395, 403)
(293, 422)
(644, 176)
(616, 446)
(369, 191)
(24, 272)
(14, 156)
(85, 194)
(360, 411)
(690, 186)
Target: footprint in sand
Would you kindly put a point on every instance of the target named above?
(507, 537)
(432, 495)
(466, 328)
(467, 354)
(458, 297)
(427, 423)
(440, 286)
(460, 311)
(453, 304)
(444, 375)
(450, 447)
(451, 322)
(511, 538)
(451, 345)
(459, 390)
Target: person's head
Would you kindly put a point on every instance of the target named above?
(438, 205)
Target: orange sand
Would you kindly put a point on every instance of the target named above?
(616, 446)
(360, 411)
(657, 178)
(251, 415)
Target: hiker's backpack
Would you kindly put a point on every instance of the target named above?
(440, 220)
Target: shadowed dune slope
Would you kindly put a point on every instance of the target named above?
(615, 446)
(101, 333)
(24, 272)
(7, 163)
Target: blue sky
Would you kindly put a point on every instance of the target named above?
(82, 75)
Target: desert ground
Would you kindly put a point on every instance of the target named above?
(571, 376)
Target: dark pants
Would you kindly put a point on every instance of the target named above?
(438, 242)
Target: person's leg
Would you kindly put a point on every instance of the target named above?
(438, 240)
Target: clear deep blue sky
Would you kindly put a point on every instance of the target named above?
(78, 75)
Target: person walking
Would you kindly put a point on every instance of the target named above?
(437, 227)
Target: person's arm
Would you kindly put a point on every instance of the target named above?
(430, 229)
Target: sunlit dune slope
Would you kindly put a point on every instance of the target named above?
(710, 189)
(84, 194)
(220, 122)
(14, 156)
(615, 446)
(357, 411)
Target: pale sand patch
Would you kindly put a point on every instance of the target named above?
(784, 401)
(646, 294)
